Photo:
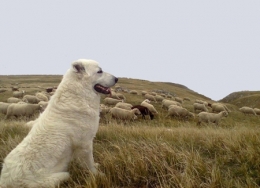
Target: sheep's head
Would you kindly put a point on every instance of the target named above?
(191, 115)
(136, 111)
(147, 100)
(225, 113)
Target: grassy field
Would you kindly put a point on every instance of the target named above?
(164, 152)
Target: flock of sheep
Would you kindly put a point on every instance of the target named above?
(203, 111)
(115, 105)
(21, 104)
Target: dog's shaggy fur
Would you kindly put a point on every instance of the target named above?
(65, 130)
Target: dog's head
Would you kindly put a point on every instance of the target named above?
(89, 72)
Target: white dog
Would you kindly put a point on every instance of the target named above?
(65, 129)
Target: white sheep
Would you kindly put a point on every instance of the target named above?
(169, 96)
(121, 96)
(178, 111)
(124, 105)
(200, 107)
(44, 104)
(153, 93)
(18, 94)
(186, 99)
(211, 117)
(146, 104)
(159, 98)
(144, 92)
(257, 111)
(104, 110)
(114, 95)
(163, 95)
(134, 92)
(247, 110)
(31, 99)
(178, 99)
(123, 114)
(22, 110)
(3, 107)
(218, 107)
(111, 101)
(13, 100)
(150, 97)
(42, 97)
(201, 102)
(166, 103)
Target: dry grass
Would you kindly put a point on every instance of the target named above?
(164, 152)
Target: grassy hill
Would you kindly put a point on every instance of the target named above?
(164, 152)
(243, 98)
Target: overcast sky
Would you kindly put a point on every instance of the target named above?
(212, 47)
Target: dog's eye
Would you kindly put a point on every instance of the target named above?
(100, 71)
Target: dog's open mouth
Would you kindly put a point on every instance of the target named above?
(101, 89)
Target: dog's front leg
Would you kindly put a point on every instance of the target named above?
(84, 155)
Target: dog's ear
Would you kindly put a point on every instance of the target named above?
(78, 67)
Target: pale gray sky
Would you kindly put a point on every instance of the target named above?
(212, 47)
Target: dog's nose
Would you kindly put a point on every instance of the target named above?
(116, 79)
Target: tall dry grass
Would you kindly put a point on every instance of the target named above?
(139, 155)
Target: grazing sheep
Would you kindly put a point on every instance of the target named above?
(153, 93)
(31, 99)
(119, 113)
(111, 101)
(21, 102)
(211, 117)
(186, 99)
(144, 111)
(201, 102)
(42, 97)
(150, 97)
(218, 107)
(169, 96)
(22, 110)
(146, 104)
(179, 111)
(113, 95)
(13, 100)
(257, 111)
(159, 98)
(121, 96)
(3, 90)
(144, 92)
(178, 99)
(104, 110)
(3, 107)
(118, 88)
(134, 92)
(166, 103)
(15, 88)
(44, 104)
(124, 105)
(18, 94)
(200, 107)
(163, 95)
(247, 110)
